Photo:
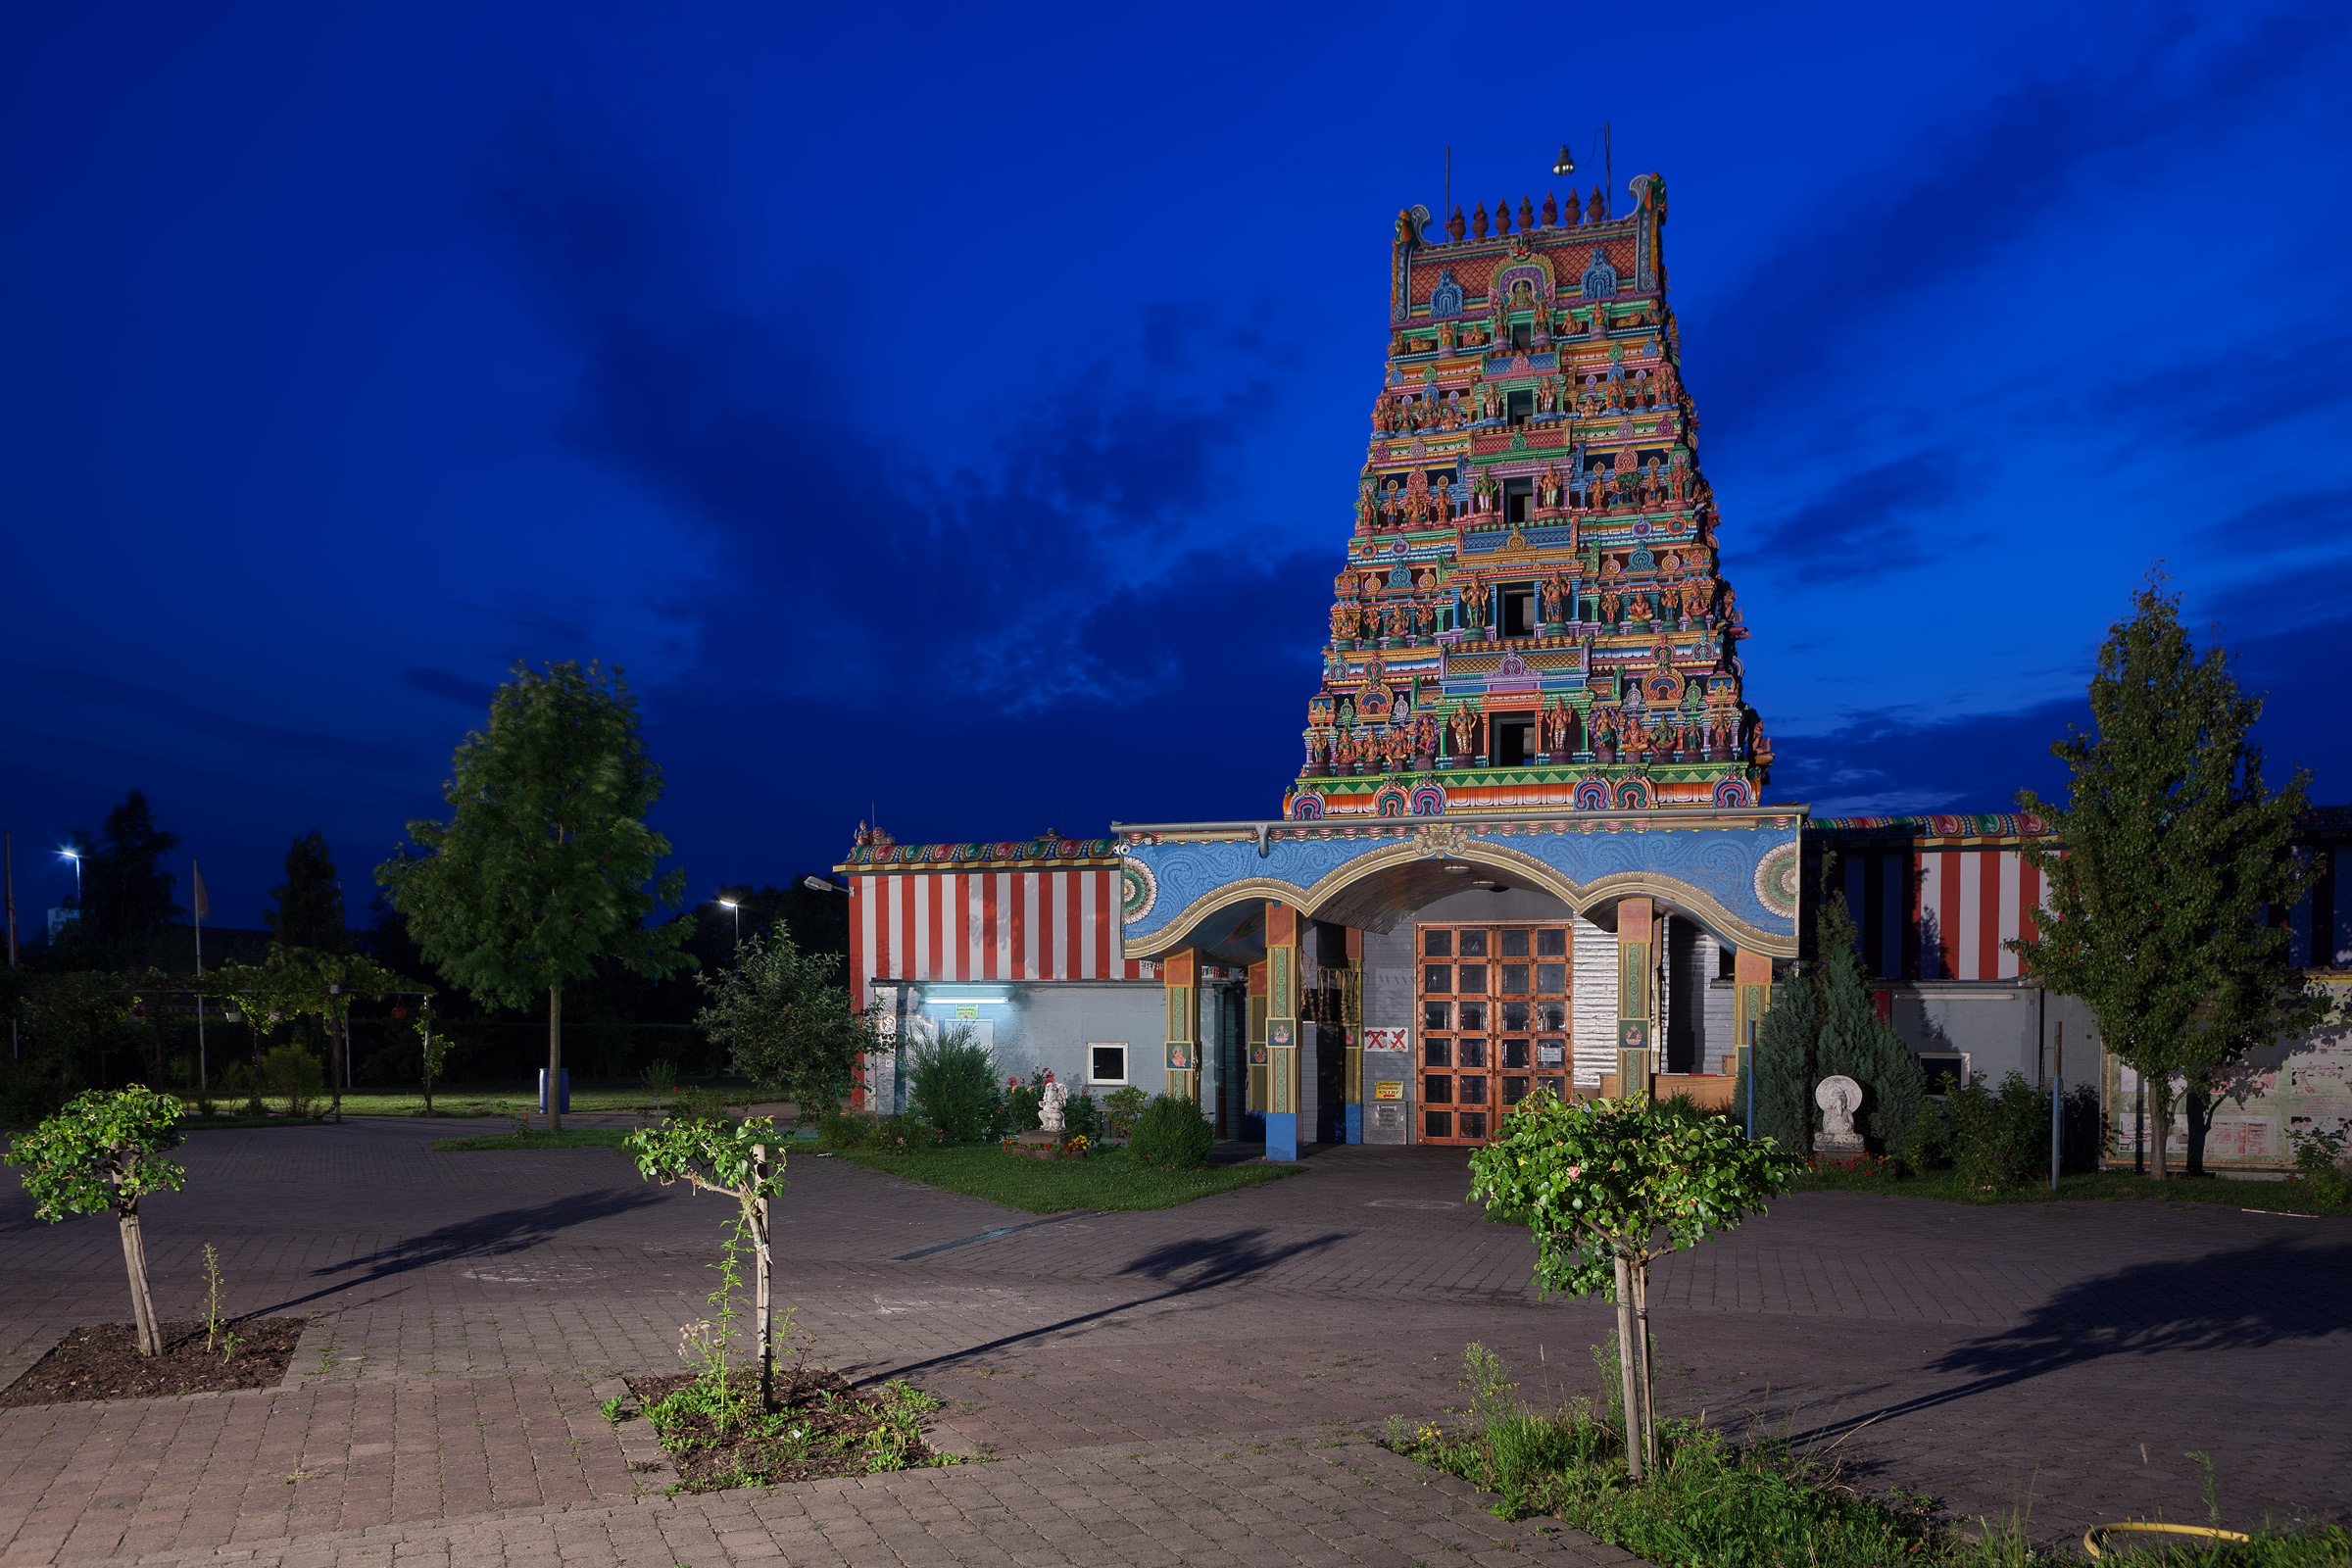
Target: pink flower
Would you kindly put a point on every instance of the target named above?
(1574, 1171)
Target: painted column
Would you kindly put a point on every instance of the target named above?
(1751, 998)
(1179, 983)
(1282, 1032)
(1636, 1010)
(1351, 1023)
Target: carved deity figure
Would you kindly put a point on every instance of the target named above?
(1552, 596)
(1425, 736)
(1610, 599)
(1463, 726)
(1560, 727)
(1425, 618)
(1640, 609)
(1050, 1104)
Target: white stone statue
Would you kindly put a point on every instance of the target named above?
(1049, 1108)
(1838, 1098)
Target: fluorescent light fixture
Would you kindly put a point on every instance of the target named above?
(938, 995)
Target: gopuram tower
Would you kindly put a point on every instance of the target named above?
(1533, 612)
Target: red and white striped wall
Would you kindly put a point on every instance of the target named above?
(1929, 913)
(981, 924)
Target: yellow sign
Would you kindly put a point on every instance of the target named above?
(969, 1010)
(1388, 1089)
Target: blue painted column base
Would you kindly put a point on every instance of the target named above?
(1282, 1135)
(1356, 1124)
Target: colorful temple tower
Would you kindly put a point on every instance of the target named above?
(1533, 612)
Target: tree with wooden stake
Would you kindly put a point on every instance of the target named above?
(546, 864)
(745, 1161)
(2156, 910)
(1607, 1187)
(102, 1154)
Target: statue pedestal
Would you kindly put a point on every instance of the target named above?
(1034, 1144)
(1838, 1143)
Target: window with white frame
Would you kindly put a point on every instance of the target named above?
(1105, 1061)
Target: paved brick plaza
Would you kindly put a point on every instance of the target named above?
(1191, 1384)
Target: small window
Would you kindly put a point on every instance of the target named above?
(1523, 407)
(1519, 603)
(1433, 1015)
(1551, 1015)
(1551, 942)
(1474, 1124)
(1436, 1053)
(1551, 979)
(1474, 979)
(1436, 1089)
(1514, 984)
(1514, 1014)
(1439, 978)
(1514, 1055)
(1517, 496)
(1471, 1054)
(1514, 742)
(1514, 944)
(1474, 946)
(1106, 1064)
(1474, 1016)
(1437, 1124)
(1436, 944)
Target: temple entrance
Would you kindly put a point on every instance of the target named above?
(1493, 1002)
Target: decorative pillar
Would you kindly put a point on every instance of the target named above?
(1282, 1032)
(1352, 1025)
(1179, 982)
(1751, 999)
(1636, 1010)
(1254, 1092)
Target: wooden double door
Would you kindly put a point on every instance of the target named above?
(1494, 1023)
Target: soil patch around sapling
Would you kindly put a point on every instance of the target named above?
(821, 1427)
(102, 1361)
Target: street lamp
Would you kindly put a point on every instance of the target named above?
(735, 910)
(818, 884)
(76, 857)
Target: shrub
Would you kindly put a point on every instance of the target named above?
(1825, 1024)
(1171, 1133)
(1120, 1107)
(1082, 1117)
(2317, 1161)
(951, 1082)
(836, 1130)
(1996, 1138)
(294, 1075)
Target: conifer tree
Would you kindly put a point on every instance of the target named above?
(1824, 1023)
(2175, 853)
(310, 902)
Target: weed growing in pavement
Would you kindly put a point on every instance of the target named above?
(1712, 1501)
(612, 1409)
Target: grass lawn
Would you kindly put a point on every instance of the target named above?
(537, 1138)
(469, 1100)
(1107, 1180)
(2288, 1196)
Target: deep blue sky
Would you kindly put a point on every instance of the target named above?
(955, 411)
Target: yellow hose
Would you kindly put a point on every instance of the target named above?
(2092, 1537)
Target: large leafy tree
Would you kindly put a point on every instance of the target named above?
(787, 1020)
(2175, 853)
(310, 902)
(546, 864)
(1609, 1185)
(102, 1154)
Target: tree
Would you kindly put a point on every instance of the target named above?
(310, 902)
(2173, 852)
(789, 1025)
(1825, 1024)
(294, 982)
(126, 897)
(721, 1155)
(104, 1152)
(1598, 1183)
(546, 863)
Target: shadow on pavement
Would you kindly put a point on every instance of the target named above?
(2251, 1299)
(510, 1230)
(1218, 1259)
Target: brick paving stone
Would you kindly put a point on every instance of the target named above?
(466, 1308)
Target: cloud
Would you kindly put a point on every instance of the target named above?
(837, 542)
(2015, 161)
(176, 711)
(1865, 525)
(458, 689)
(2250, 386)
